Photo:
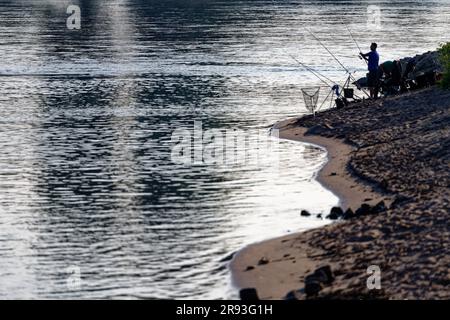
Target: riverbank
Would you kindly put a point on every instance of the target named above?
(396, 151)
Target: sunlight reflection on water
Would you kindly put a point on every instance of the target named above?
(86, 175)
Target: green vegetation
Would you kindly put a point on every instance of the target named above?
(444, 52)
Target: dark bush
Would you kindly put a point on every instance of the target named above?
(444, 52)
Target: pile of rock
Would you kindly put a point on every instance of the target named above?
(364, 210)
(426, 63)
(337, 213)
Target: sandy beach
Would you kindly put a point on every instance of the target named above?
(388, 161)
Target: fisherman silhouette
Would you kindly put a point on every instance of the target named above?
(373, 60)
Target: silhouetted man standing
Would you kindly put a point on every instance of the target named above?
(373, 76)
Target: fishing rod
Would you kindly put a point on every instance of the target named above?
(353, 38)
(314, 72)
(335, 58)
(308, 68)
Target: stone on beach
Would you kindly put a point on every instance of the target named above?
(379, 207)
(295, 295)
(315, 281)
(335, 213)
(324, 274)
(248, 294)
(365, 209)
(348, 214)
(312, 286)
(305, 213)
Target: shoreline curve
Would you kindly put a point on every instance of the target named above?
(272, 282)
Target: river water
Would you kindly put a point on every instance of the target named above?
(95, 203)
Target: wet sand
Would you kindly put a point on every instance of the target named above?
(395, 150)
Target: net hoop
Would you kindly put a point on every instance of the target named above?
(311, 97)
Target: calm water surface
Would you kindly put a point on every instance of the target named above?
(87, 182)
